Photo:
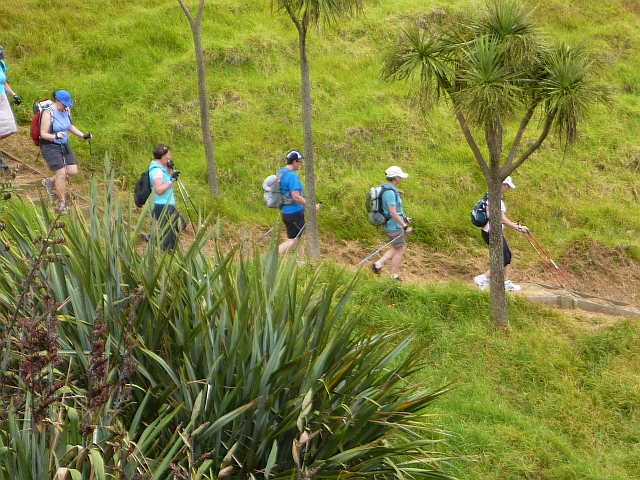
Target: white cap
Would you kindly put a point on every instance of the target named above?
(509, 181)
(395, 172)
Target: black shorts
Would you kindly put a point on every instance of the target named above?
(57, 156)
(506, 252)
(294, 223)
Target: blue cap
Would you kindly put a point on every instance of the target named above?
(1, 53)
(294, 155)
(64, 97)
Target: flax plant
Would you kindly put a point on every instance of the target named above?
(180, 365)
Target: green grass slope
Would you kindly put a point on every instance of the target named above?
(555, 398)
(131, 68)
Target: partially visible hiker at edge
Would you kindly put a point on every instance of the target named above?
(55, 125)
(482, 280)
(292, 210)
(163, 177)
(7, 120)
(397, 226)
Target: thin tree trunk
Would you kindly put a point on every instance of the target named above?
(313, 236)
(205, 122)
(496, 257)
(207, 135)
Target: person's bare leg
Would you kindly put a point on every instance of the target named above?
(396, 259)
(387, 256)
(507, 271)
(287, 245)
(60, 181)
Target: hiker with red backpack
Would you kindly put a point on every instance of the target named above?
(7, 121)
(55, 125)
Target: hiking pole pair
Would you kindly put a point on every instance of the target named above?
(182, 190)
(536, 245)
(377, 250)
(258, 240)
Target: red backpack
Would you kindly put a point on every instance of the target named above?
(38, 107)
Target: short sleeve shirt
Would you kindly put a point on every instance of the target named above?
(3, 76)
(288, 183)
(158, 171)
(391, 198)
(503, 207)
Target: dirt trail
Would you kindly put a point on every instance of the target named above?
(592, 268)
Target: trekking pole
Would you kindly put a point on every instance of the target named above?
(180, 189)
(187, 194)
(91, 165)
(546, 264)
(258, 240)
(373, 253)
(551, 260)
(300, 232)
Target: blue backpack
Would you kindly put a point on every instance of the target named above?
(479, 214)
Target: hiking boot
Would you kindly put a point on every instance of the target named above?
(49, 186)
(509, 286)
(376, 269)
(63, 209)
(481, 281)
(3, 166)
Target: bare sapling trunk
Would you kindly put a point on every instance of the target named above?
(313, 236)
(205, 122)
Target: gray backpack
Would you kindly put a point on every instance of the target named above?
(273, 193)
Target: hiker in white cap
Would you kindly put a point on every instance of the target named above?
(482, 280)
(397, 225)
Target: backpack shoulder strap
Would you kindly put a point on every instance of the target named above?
(3, 65)
(384, 188)
(50, 110)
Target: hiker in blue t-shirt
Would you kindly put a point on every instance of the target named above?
(397, 226)
(55, 126)
(162, 177)
(292, 210)
(7, 121)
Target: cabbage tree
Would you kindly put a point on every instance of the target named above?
(498, 73)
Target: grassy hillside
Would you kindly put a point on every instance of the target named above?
(130, 67)
(555, 397)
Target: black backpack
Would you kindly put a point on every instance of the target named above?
(142, 189)
(479, 214)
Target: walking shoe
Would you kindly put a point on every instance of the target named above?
(509, 286)
(395, 276)
(49, 186)
(3, 166)
(63, 209)
(481, 281)
(376, 268)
